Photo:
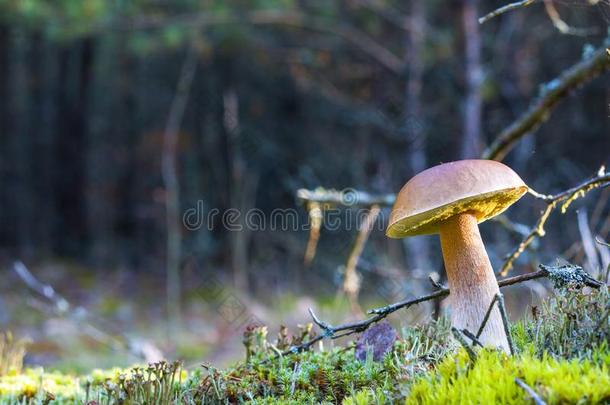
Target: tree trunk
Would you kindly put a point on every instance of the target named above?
(7, 237)
(417, 248)
(239, 245)
(75, 70)
(471, 138)
(172, 189)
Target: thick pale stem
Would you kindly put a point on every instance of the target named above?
(471, 279)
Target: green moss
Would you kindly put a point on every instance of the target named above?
(492, 380)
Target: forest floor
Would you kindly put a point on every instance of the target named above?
(562, 356)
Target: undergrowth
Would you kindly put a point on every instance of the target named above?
(563, 356)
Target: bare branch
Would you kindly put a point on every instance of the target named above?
(60, 306)
(505, 9)
(554, 91)
(460, 337)
(563, 199)
(601, 242)
(315, 222)
(351, 280)
(564, 274)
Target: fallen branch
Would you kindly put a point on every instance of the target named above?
(565, 198)
(554, 91)
(559, 275)
(142, 350)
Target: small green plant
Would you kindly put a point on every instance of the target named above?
(159, 383)
(572, 324)
(324, 376)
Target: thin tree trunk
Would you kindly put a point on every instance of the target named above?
(75, 65)
(172, 189)
(417, 248)
(21, 145)
(47, 69)
(239, 246)
(128, 119)
(471, 138)
(7, 237)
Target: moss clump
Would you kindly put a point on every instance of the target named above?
(492, 380)
(325, 376)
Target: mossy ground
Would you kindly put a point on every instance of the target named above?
(563, 355)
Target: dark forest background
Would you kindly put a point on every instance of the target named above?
(116, 115)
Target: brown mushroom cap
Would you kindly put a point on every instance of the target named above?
(484, 187)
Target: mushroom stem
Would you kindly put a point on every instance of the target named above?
(471, 279)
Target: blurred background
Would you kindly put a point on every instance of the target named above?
(120, 120)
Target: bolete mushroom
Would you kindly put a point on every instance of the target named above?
(452, 199)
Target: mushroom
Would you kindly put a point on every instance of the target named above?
(451, 199)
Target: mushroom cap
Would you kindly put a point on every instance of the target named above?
(484, 187)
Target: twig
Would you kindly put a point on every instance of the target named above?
(505, 322)
(498, 299)
(530, 392)
(351, 281)
(554, 91)
(561, 25)
(315, 223)
(297, 369)
(471, 336)
(487, 314)
(563, 274)
(563, 199)
(601, 242)
(505, 9)
(459, 336)
(436, 284)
